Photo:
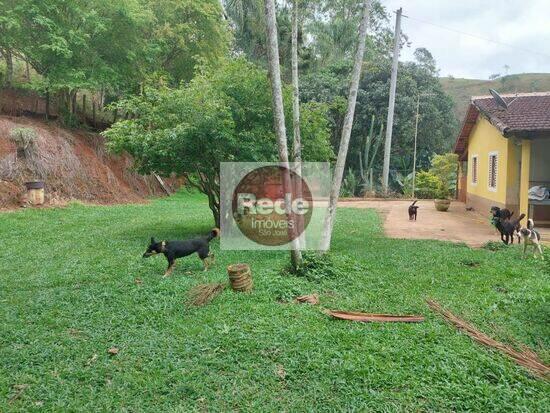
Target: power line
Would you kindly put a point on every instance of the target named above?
(478, 37)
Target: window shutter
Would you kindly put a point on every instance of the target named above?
(493, 170)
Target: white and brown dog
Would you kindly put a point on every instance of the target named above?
(531, 237)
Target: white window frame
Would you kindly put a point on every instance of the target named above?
(489, 156)
(475, 169)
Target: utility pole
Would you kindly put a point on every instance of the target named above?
(391, 106)
(415, 136)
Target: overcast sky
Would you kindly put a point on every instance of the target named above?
(524, 24)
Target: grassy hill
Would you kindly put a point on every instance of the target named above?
(462, 89)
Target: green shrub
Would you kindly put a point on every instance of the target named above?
(350, 185)
(316, 267)
(23, 137)
(428, 185)
(445, 167)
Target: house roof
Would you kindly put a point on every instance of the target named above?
(527, 115)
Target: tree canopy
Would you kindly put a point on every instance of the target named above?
(113, 44)
(222, 115)
(436, 122)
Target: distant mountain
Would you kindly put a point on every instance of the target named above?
(461, 90)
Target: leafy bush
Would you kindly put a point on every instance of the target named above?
(350, 185)
(222, 115)
(317, 267)
(440, 181)
(24, 139)
(445, 167)
(428, 185)
(404, 182)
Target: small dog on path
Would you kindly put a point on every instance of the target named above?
(413, 210)
(531, 237)
(178, 249)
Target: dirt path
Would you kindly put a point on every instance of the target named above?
(456, 225)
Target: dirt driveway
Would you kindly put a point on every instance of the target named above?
(456, 225)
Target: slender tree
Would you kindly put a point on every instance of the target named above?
(278, 113)
(296, 143)
(346, 130)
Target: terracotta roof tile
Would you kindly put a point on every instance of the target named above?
(527, 112)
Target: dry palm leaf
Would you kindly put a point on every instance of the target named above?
(369, 318)
(526, 357)
(204, 293)
(309, 298)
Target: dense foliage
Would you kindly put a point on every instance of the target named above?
(436, 122)
(222, 115)
(119, 49)
(113, 45)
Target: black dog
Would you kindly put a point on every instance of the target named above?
(498, 215)
(501, 212)
(510, 227)
(413, 210)
(178, 249)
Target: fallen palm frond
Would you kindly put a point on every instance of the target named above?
(526, 357)
(309, 299)
(369, 318)
(204, 293)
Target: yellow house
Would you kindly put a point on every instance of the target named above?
(504, 151)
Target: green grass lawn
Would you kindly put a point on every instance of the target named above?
(68, 294)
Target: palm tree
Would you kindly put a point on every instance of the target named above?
(278, 113)
(346, 130)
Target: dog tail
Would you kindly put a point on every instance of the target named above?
(213, 234)
(519, 218)
(511, 214)
(530, 223)
(414, 202)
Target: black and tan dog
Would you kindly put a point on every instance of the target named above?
(413, 210)
(179, 249)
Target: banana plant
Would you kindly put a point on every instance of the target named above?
(366, 159)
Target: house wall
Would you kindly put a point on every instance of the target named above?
(484, 139)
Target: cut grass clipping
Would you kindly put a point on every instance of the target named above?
(526, 357)
(202, 294)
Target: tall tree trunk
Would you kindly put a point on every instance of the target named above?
(8, 57)
(346, 131)
(297, 142)
(278, 113)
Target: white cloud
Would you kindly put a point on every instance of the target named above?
(519, 23)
